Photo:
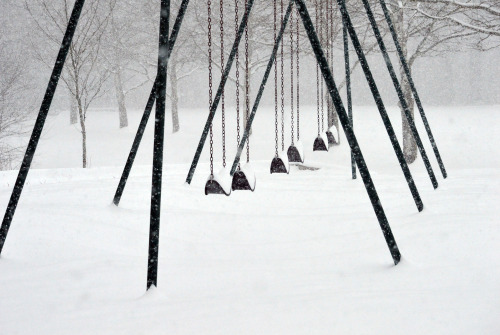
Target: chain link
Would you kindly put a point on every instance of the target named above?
(298, 83)
(282, 63)
(322, 40)
(221, 6)
(317, 69)
(247, 86)
(275, 85)
(237, 61)
(327, 46)
(291, 77)
(209, 6)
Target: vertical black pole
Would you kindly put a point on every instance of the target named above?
(147, 110)
(40, 121)
(351, 138)
(261, 88)
(380, 105)
(399, 91)
(413, 88)
(222, 83)
(349, 92)
(161, 88)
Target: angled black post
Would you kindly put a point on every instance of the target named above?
(349, 92)
(161, 90)
(147, 110)
(399, 91)
(261, 89)
(351, 138)
(413, 88)
(380, 105)
(222, 83)
(40, 121)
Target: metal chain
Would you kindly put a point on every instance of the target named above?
(209, 5)
(237, 61)
(322, 81)
(331, 44)
(275, 86)
(317, 69)
(221, 6)
(291, 77)
(327, 46)
(247, 86)
(298, 82)
(282, 88)
(331, 49)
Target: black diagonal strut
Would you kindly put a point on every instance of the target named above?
(348, 91)
(406, 68)
(147, 110)
(161, 92)
(399, 91)
(380, 105)
(261, 89)
(351, 138)
(223, 81)
(40, 121)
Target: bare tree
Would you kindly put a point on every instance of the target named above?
(434, 27)
(84, 74)
(14, 105)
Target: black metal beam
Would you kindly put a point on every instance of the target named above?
(40, 121)
(380, 105)
(148, 109)
(222, 83)
(348, 91)
(407, 71)
(161, 92)
(270, 63)
(399, 91)
(351, 138)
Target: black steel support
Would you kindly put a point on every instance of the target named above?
(380, 105)
(349, 92)
(261, 88)
(351, 138)
(161, 90)
(399, 91)
(148, 109)
(413, 88)
(222, 83)
(40, 121)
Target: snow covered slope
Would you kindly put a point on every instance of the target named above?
(303, 254)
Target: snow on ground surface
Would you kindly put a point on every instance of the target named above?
(303, 254)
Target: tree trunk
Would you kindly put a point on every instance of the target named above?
(409, 144)
(84, 134)
(174, 98)
(73, 111)
(120, 97)
(333, 118)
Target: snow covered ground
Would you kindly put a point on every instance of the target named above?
(303, 254)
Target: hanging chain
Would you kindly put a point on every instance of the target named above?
(331, 45)
(322, 42)
(327, 46)
(237, 60)
(291, 77)
(317, 70)
(221, 3)
(298, 90)
(275, 86)
(209, 5)
(247, 86)
(282, 88)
